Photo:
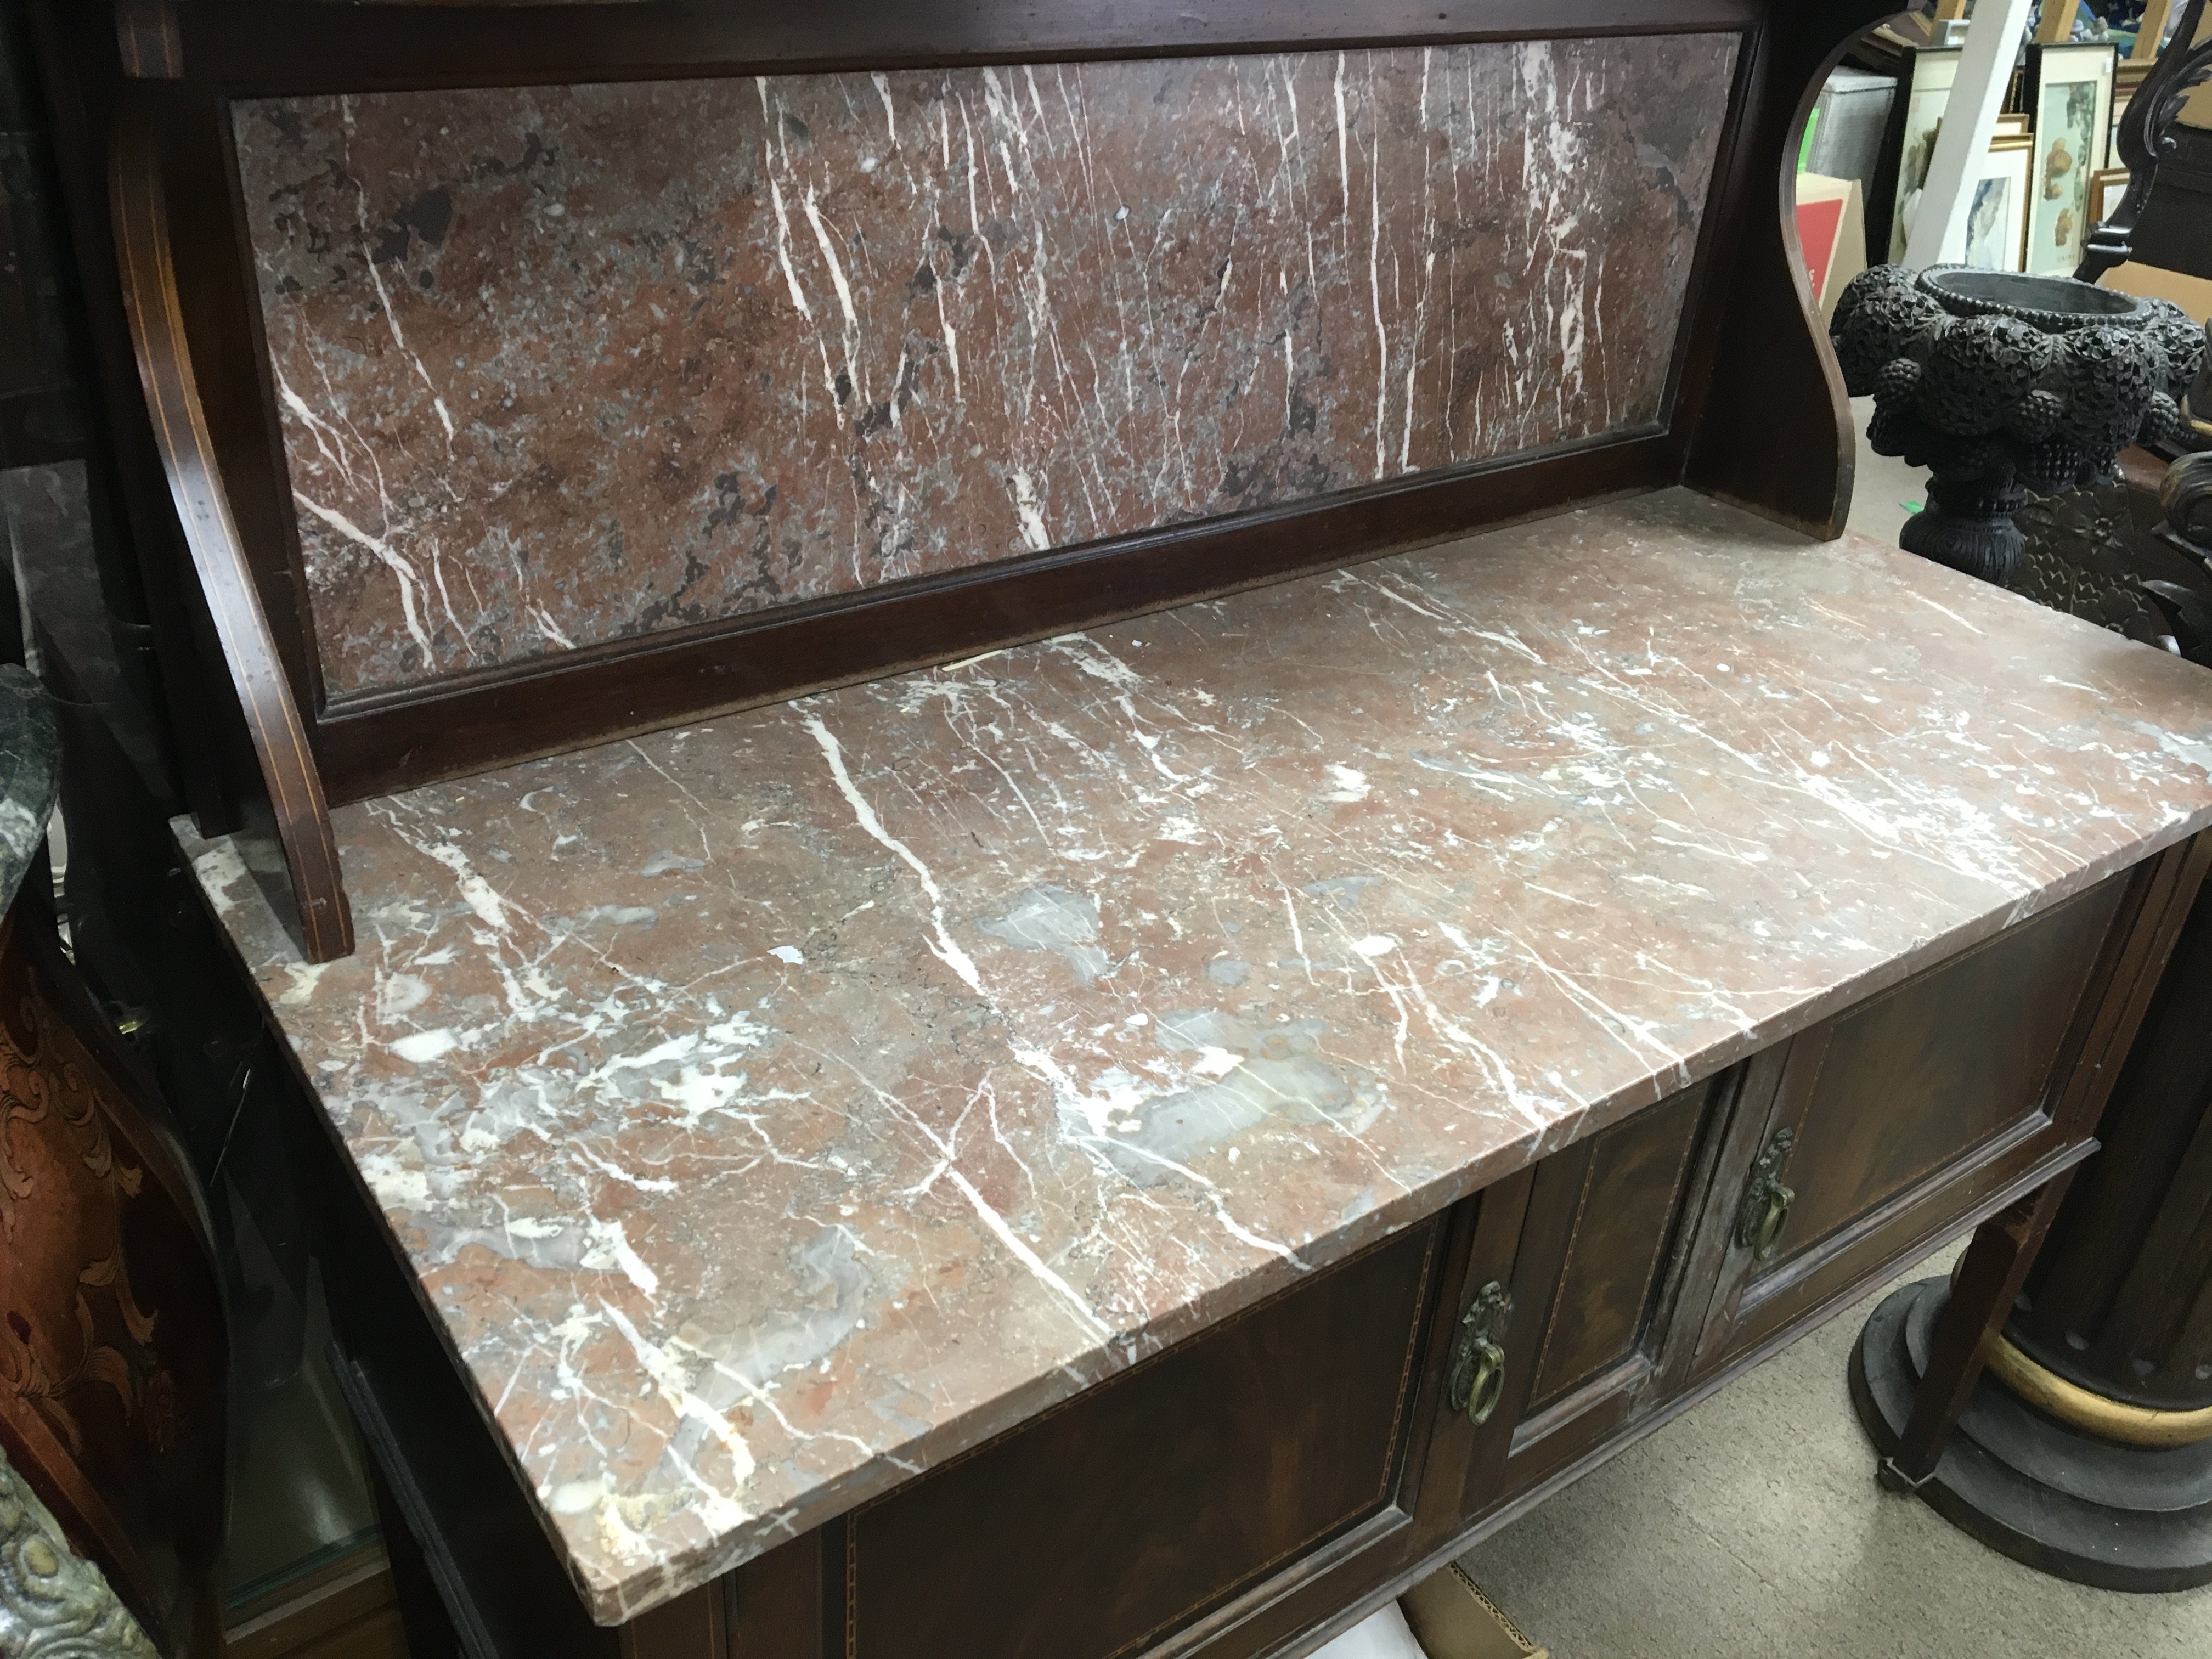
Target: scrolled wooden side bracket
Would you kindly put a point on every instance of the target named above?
(2145, 138)
(140, 206)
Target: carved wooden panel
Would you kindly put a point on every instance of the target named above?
(112, 1347)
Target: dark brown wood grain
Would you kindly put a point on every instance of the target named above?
(2116, 1305)
(1765, 420)
(1946, 1053)
(1989, 1278)
(1592, 1282)
(2069, 997)
(779, 1603)
(1619, 1218)
(112, 1379)
(2118, 1301)
(269, 45)
(692, 1626)
(1133, 1509)
(220, 558)
(81, 78)
(147, 39)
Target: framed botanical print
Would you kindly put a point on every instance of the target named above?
(2069, 93)
(1933, 71)
(1996, 205)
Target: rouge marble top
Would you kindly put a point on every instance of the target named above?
(774, 1108)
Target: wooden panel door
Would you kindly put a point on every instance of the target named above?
(1105, 1527)
(1897, 1120)
(1593, 1284)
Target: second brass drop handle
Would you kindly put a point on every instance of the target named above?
(1476, 1383)
(1767, 1201)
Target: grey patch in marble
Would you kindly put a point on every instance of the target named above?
(835, 1287)
(1343, 889)
(1053, 919)
(1227, 970)
(662, 864)
(2192, 751)
(1266, 1074)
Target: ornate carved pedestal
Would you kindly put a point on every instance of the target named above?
(2000, 383)
(2086, 1448)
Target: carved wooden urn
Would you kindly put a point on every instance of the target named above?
(2000, 383)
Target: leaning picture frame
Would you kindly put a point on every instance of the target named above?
(2106, 186)
(1996, 206)
(2069, 88)
(1933, 71)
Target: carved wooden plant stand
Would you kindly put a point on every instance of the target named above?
(1999, 383)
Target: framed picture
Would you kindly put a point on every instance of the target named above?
(1996, 206)
(2015, 126)
(1933, 71)
(2070, 95)
(2106, 186)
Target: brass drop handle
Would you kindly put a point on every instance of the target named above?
(1771, 1223)
(1767, 1201)
(1489, 1385)
(1477, 1379)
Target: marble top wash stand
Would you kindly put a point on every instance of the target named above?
(906, 1056)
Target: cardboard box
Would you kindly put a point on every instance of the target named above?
(1452, 1619)
(2192, 293)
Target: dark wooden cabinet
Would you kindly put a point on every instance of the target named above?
(1595, 1281)
(1161, 1495)
(1244, 1493)
(1891, 1123)
(2058, 1405)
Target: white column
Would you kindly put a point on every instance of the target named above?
(1993, 38)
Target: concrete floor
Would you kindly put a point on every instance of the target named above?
(1751, 1528)
(1886, 492)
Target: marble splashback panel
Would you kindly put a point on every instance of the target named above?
(558, 366)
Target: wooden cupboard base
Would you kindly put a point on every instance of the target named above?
(2119, 1517)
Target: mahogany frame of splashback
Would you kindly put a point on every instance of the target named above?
(1755, 411)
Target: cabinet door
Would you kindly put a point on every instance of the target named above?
(1594, 1283)
(1914, 1109)
(1158, 1504)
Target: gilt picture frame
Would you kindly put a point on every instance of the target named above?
(2106, 186)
